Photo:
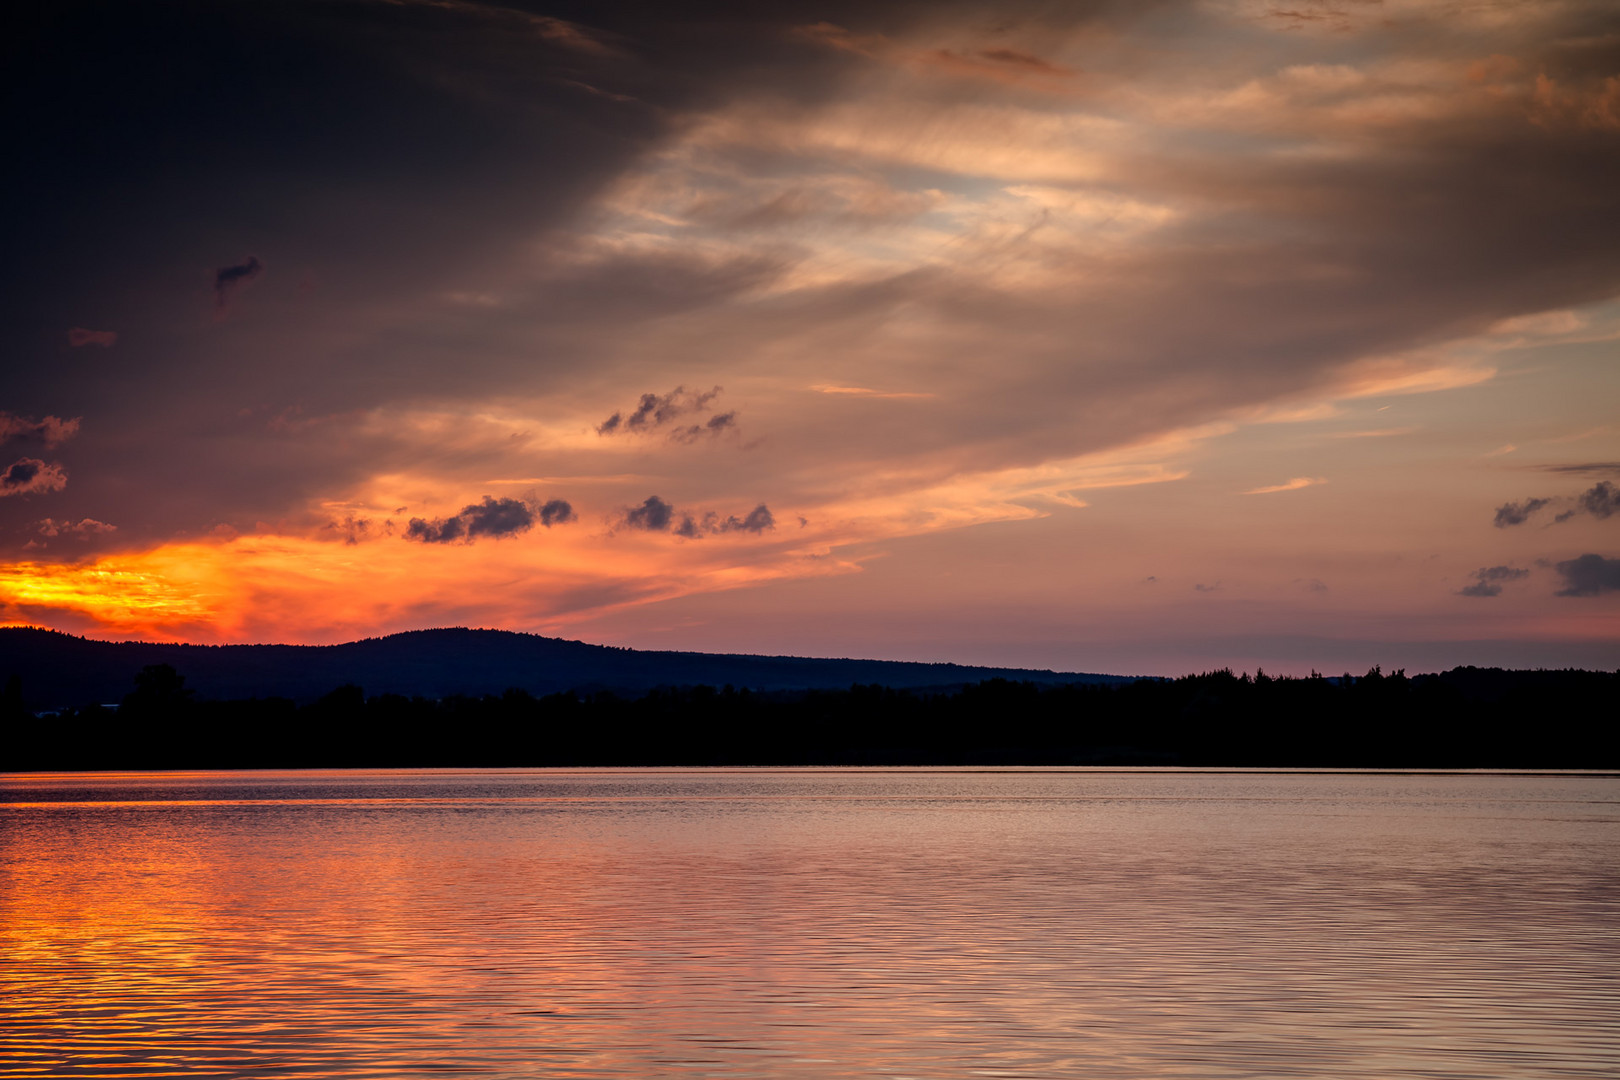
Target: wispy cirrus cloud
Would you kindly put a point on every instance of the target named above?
(1291, 485)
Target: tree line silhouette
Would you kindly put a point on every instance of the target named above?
(1464, 718)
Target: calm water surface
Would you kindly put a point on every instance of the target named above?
(809, 924)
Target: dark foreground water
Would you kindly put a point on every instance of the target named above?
(809, 923)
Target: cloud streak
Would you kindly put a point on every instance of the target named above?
(1292, 485)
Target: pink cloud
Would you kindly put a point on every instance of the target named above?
(85, 527)
(28, 476)
(51, 430)
(1293, 485)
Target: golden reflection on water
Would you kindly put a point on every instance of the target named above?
(808, 924)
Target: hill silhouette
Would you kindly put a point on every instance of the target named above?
(60, 670)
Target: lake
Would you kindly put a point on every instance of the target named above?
(809, 923)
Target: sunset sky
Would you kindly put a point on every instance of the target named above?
(1128, 337)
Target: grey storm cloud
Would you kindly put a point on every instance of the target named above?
(1589, 575)
(1488, 580)
(31, 476)
(50, 431)
(227, 279)
(656, 515)
(494, 518)
(657, 411)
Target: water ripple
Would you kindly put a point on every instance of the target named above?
(798, 924)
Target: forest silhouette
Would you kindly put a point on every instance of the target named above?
(1464, 718)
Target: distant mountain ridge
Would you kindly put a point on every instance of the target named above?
(58, 669)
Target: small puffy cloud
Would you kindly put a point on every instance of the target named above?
(716, 424)
(497, 517)
(492, 517)
(50, 431)
(1488, 580)
(556, 512)
(656, 515)
(1589, 575)
(658, 411)
(1602, 500)
(1518, 513)
(85, 527)
(437, 531)
(758, 520)
(79, 336)
(653, 515)
(227, 279)
(29, 476)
